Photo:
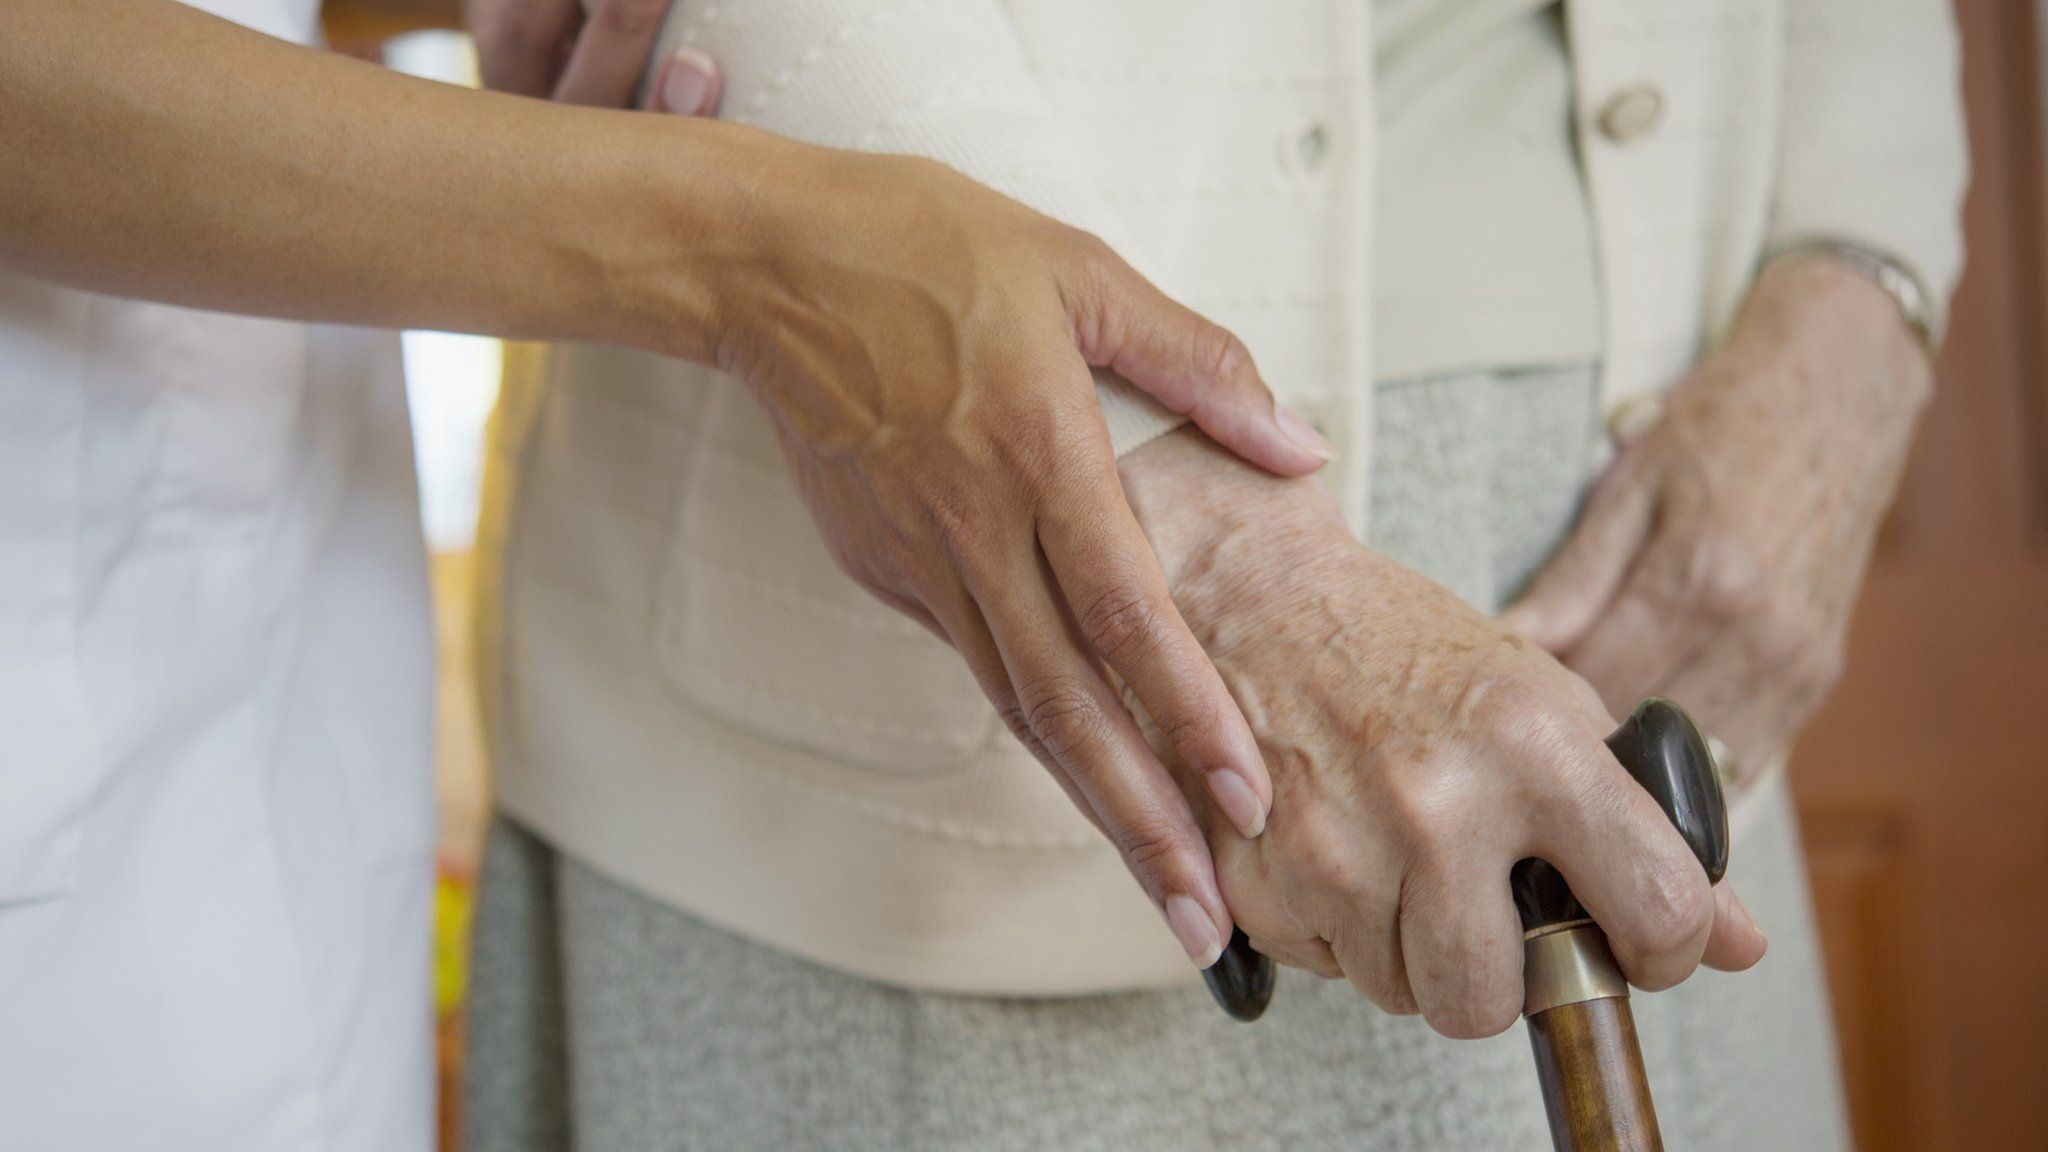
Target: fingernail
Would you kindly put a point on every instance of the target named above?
(1238, 802)
(686, 82)
(1306, 438)
(1193, 928)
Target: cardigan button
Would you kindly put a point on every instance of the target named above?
(1302, 152)
(1312, 146)
(1631, 113)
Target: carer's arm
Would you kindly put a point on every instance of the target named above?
(925, 342)
(148, 149)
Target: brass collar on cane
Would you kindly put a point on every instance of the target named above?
(1568, 963)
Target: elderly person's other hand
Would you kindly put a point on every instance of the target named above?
(1718, 559)
(1418, 750)
(923, 348)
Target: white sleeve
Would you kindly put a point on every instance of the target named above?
(944, 79)
(1873, 148)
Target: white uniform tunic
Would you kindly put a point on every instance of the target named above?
(216, 811)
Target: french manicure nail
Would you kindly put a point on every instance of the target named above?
(1306, 438)
(1193, 928)
(1238, 802)
(686, 82)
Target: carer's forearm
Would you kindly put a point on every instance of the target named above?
(151, 150)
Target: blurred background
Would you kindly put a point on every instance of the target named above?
(1923, 787)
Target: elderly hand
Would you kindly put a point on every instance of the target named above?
(1418, 750)
(1718, 559)
(554, 49)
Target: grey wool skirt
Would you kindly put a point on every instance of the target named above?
(602, 1021)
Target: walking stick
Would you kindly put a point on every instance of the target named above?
(1588, 1062)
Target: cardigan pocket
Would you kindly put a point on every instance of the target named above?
(757, 625)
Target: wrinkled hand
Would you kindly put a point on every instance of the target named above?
(1718, 559)
(923, 347)
(1418, 750)
(554, 49)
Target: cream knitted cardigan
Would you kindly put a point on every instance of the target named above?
(689, 696)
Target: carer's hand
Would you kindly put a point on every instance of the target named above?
(1718, 560)
(554, 49)
(923, 347)
(1418, 750)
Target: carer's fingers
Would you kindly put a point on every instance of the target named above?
(1117, 594)
(1067, 712)
(1123, 323)
(959, 620)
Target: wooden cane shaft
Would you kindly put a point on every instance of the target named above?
(1591, 1069)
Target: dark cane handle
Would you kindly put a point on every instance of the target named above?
(1663, 750)
(1588, 1062)
(1658, 745)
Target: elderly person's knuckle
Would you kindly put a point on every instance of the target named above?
(1386, 986)
(1728, 577)
(1780, 638)
(1294, 950)
(1326, 856)
(1481, 995)
(1381, 981)
(1498, 1010)
(1543, 723)
(1675, 906)
(1502, 701)
(1263, 916)
(1321, 964)
(1583, 698)
(1393, 996)
(1475, 1014)
(1424, 805)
